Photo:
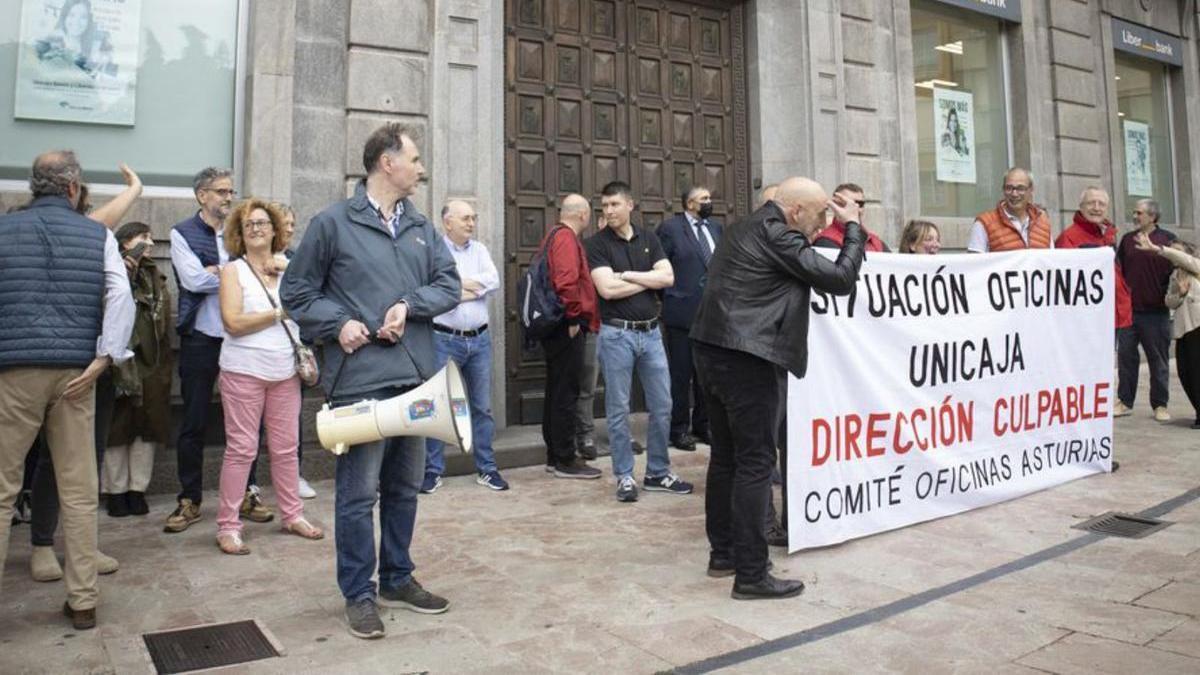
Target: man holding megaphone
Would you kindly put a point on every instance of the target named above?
(366, 281)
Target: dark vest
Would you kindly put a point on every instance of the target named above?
(51, 286)
(203, 241)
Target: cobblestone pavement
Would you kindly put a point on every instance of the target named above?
(556, 576)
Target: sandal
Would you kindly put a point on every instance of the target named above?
(302, 528)
(231, 543)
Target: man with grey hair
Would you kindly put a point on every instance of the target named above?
(197, 255)
(461, 335)
(1148, 275)
(66, 314)
(1091, 228)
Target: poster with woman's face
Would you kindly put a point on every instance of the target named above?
(954, 135)
(77, 61)
(1139, 176)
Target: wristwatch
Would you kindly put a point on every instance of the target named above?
(279, 314)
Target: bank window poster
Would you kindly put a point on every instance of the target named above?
(954, 135)
(1139, 175)
(77, 61)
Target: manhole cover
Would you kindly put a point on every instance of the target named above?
(211, 646)
(1125, 525)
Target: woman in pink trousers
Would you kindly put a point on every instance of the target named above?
(258, 378)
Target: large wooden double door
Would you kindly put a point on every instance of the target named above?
(651, 92)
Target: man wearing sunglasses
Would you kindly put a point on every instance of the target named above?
(1015, 223)
(834, 235)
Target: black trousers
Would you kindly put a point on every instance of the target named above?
(1187, 365)
(199, 356)
(1151, 330)
(685, 386)
(44, 493)
(742, 392)
(564, 365)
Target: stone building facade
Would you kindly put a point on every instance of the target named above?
(515, 102)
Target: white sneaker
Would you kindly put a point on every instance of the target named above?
(1121, 410)
(1161, 414)
(306, 490)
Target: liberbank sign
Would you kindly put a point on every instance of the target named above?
(1009, 10)
(1147, 43)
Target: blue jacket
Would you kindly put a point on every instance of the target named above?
(51, 286)
(203, 241)
(349, 267)
(678, 238)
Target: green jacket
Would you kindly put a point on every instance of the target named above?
(143, 383)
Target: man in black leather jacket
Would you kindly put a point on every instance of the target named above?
(752, 326)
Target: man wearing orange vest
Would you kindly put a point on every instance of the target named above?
(1015, 223)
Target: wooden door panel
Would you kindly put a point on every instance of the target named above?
(599, 90)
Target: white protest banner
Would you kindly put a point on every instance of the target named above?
(946, 383)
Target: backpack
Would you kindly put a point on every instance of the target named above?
(541, 311)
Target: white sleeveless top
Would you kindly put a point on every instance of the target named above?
(265, 354)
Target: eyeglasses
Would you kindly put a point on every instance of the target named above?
(862, 203)
(1018, 189)
(257, 225)
(225, 193)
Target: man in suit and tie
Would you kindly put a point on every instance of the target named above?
(689, 240)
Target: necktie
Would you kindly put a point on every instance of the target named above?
(705, 250)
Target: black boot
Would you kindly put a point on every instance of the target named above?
(768, 588)
(118, 505)
(137, 503)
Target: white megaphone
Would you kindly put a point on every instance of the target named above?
(437, 409)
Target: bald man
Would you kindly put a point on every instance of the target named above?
(564, 348)
(1015, 223)
(462, 334)
(752, 328)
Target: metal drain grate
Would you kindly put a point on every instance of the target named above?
(212, 646)
(1125, 525)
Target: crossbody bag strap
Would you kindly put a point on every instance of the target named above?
(274, 305)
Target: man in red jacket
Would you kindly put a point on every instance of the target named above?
(564, 348)
(833, 236)
(1092, 229)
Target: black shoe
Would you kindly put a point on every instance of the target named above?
(723, 567)
(586, 447)
(81, 619)
(684, 441)
(1115, 465)
(769, 588)
(1196, 424)
(777, 536)
(412, 596)
(137, 503)
(702, 436)
(576, 469)
(118, 505)
(638, 448)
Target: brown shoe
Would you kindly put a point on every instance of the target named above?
(253, 509)
(81, 619)
(183, 516)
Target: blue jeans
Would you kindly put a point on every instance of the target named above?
(474, 358)
(390, 472)
(621, 351)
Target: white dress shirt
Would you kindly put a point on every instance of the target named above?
(193, 277)
(474, 262)
(119, 310)
(696, 230)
